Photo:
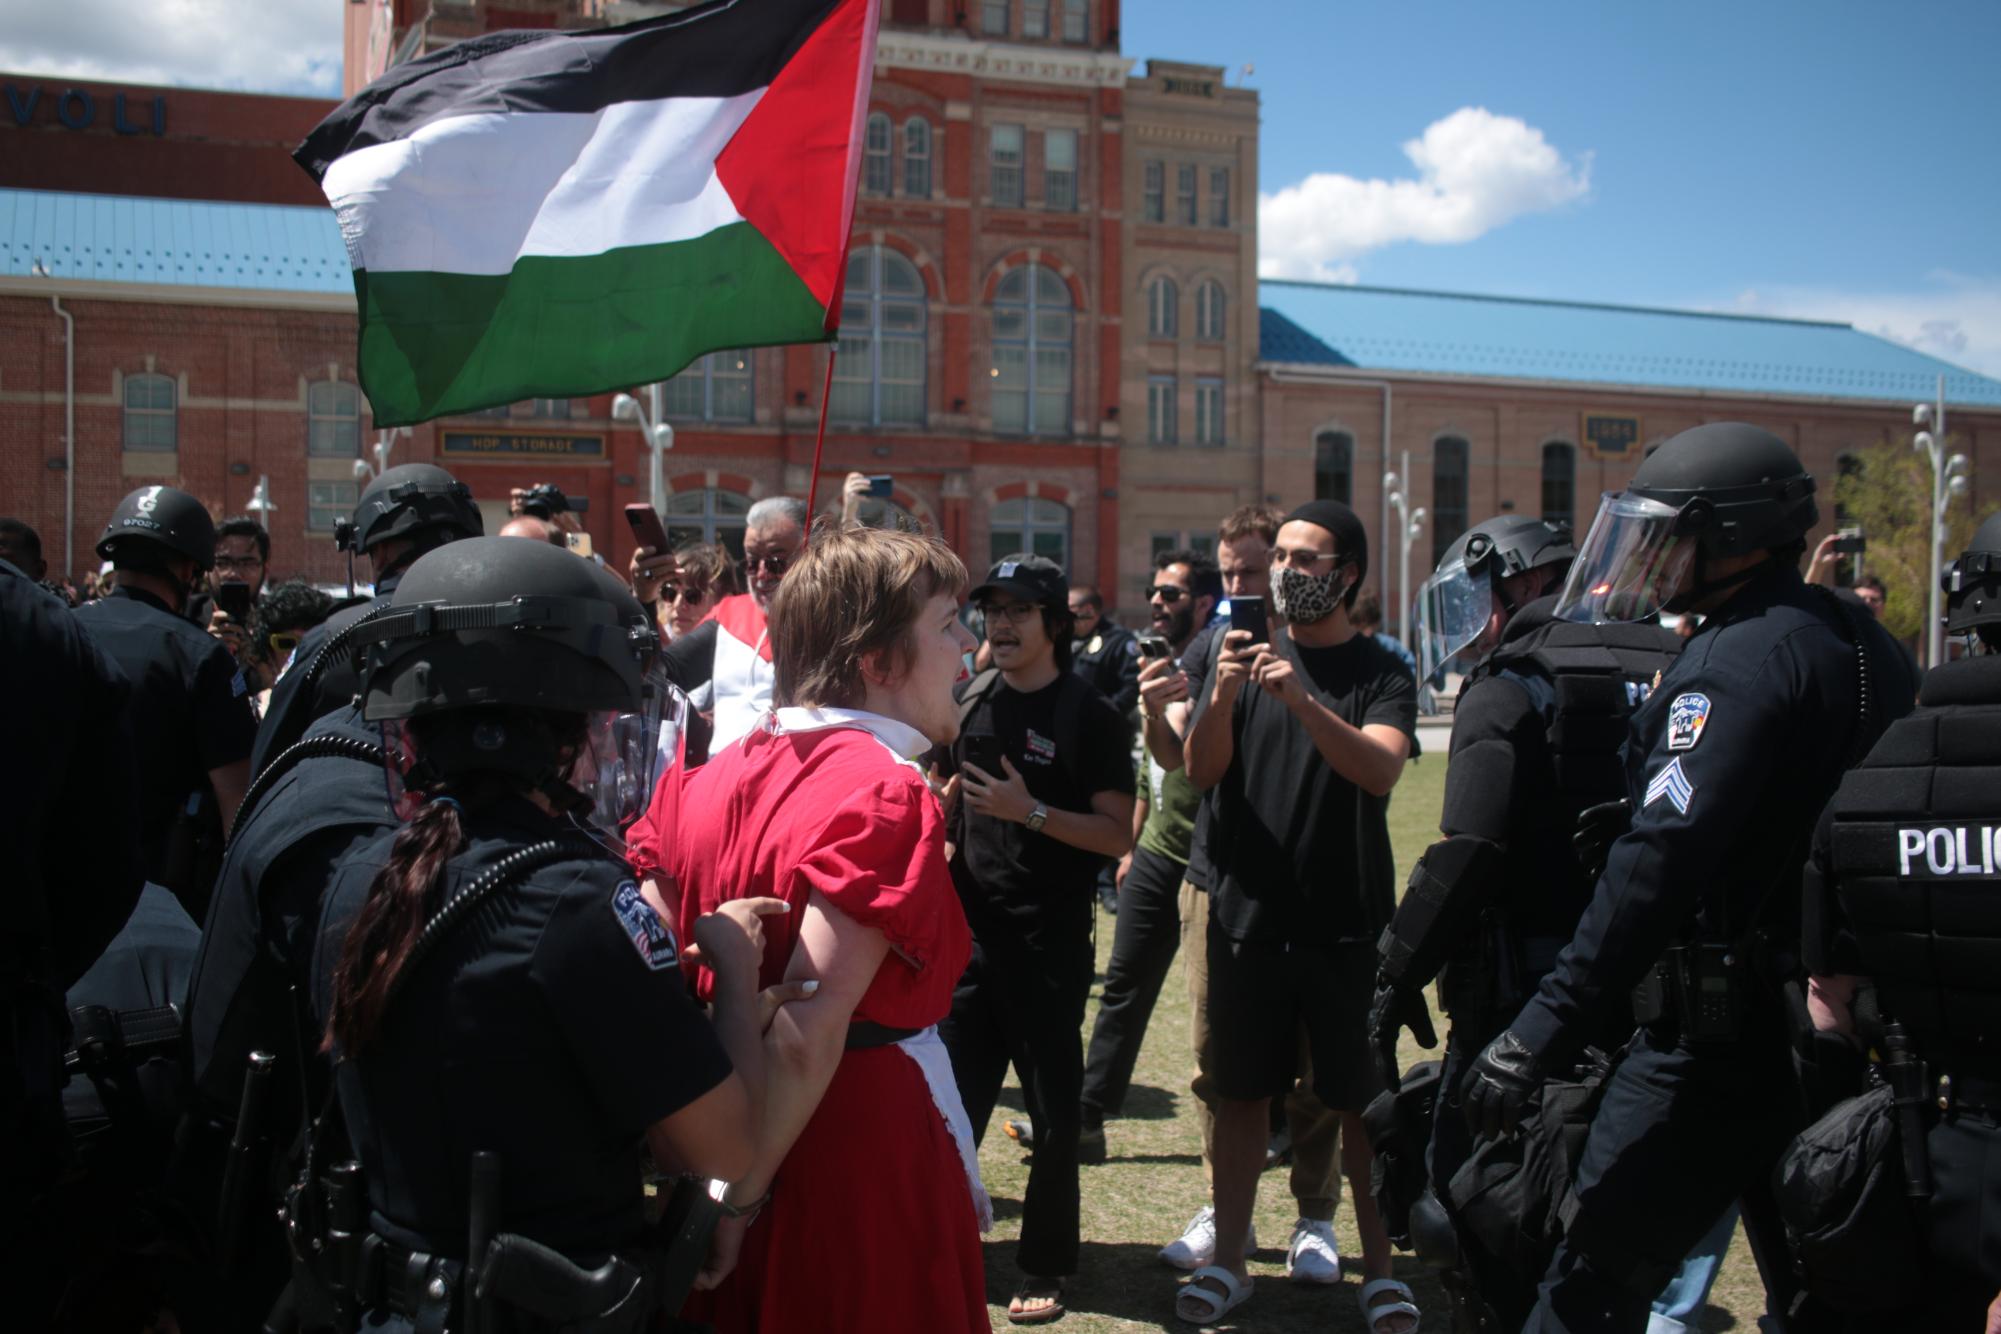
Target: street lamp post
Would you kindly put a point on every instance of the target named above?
(260, 502)
(1948, 482)
(659, 439)
(385, 441)
(1410, 523)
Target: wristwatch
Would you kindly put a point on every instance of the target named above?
(1036, 818)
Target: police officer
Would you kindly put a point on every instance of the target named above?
(505, 1008)
(1536, 734)
(1104, 652)
(1729, 763)
(1901, 901)
(190, 705)
(402, 514)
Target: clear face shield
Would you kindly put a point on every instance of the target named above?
(627, 756)
(1631, 564)
(1454, 608)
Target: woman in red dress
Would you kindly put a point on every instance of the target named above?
(871, 1206)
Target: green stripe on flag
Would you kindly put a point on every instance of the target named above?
(437, 343)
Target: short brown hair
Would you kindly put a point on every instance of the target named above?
(1249, 520)
(709, 563)
(1367, 612)
(853, 593)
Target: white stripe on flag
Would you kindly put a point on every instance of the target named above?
(472, 194)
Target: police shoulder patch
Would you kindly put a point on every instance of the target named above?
(643, 927)
(238, 687)
(1687, 716)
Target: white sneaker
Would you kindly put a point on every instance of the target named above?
(1312, 1257)
(1196, 1246)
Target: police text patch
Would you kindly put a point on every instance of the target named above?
(1686, 718)
(1948, 850)
(649, 935)
(1672, 784)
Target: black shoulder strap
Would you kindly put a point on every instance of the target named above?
(976, 692)
(312, 748)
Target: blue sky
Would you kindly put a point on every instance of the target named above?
(1832, 159)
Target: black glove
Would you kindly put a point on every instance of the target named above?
(1598, 828)
(1497, 1089)
(1392, 1011)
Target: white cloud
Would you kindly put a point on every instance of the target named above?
(1950, 315)
(270, 46)
(1475, 171)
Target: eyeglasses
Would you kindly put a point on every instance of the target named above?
(674, 593)
(1167, 593)
(238, 563)
(282, 641)
(1020, 613)
(774, 564)
(1301, 559)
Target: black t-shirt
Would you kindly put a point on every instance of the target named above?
(1199, 661)
(537, 1029)
(1002, 870)
(190, 709)
(1300, 855)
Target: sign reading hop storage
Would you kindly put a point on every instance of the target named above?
(556, 214)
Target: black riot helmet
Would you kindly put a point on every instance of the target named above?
(159, 517)
(408, 499)
(1972, 585)
(1455, 608)
(519, 658)
(1723, 489)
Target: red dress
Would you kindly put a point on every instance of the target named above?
(872, 1223)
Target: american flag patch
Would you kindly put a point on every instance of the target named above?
(1673, 784)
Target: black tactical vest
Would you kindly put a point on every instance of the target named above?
(1914, 856)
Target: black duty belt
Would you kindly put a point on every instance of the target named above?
(103, 1035)
(863, 1034)
(1969, 1093)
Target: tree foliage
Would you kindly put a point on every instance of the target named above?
(1886, 493)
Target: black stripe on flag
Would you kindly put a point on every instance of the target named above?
(719, 49)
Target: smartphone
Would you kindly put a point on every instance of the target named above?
(233, 596)
(579, 543)
(880, 485)
(644, 521)
(1850, 542)
(1153, 646)
(1249, 614)
(983, 751)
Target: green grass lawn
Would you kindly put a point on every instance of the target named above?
(1138, 1200)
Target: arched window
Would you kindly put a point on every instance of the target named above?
(875, 155)
(917, 158)
(1209, 309)
(1033, 330)
(1559, 483)
(1032, 524)
(879, 374)
(333, 419)
(708, 515)
(1448, 493)
(149, 412)
(716, 388)
(1334, 466)
(1163, 308)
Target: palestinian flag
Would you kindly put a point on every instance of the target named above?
(552, 214)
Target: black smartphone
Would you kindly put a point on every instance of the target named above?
(1153, 646)
(1249, 614)
(1851, 542)
(645, 524)
(983, 751)
(880, 485)
(233, 596)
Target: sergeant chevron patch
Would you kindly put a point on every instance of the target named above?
(1673, 784)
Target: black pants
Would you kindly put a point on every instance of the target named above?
(1021, 1002)
(1682, 1132)
(1481, 1278)
(1143, 945)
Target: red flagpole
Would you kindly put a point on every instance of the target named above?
(820, 439)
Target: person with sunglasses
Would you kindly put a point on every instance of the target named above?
(731, 648)
(279, 623)
(703, 577)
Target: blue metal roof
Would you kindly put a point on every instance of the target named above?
(1448, 333)
(173, 242)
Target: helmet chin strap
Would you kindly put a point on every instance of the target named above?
(1684, 600)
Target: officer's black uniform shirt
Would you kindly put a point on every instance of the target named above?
(70, 789)
(289, 713)
(190, 707)
(146, 966)
(1003, 871)
(253, 978)
(1731, 760)
(1299, 854)
(537, 1029)
(1109, 659)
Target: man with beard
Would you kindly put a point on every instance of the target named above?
(1302, 738)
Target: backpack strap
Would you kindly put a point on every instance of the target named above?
(975, 694)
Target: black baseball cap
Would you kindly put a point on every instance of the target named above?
(1036, 579)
